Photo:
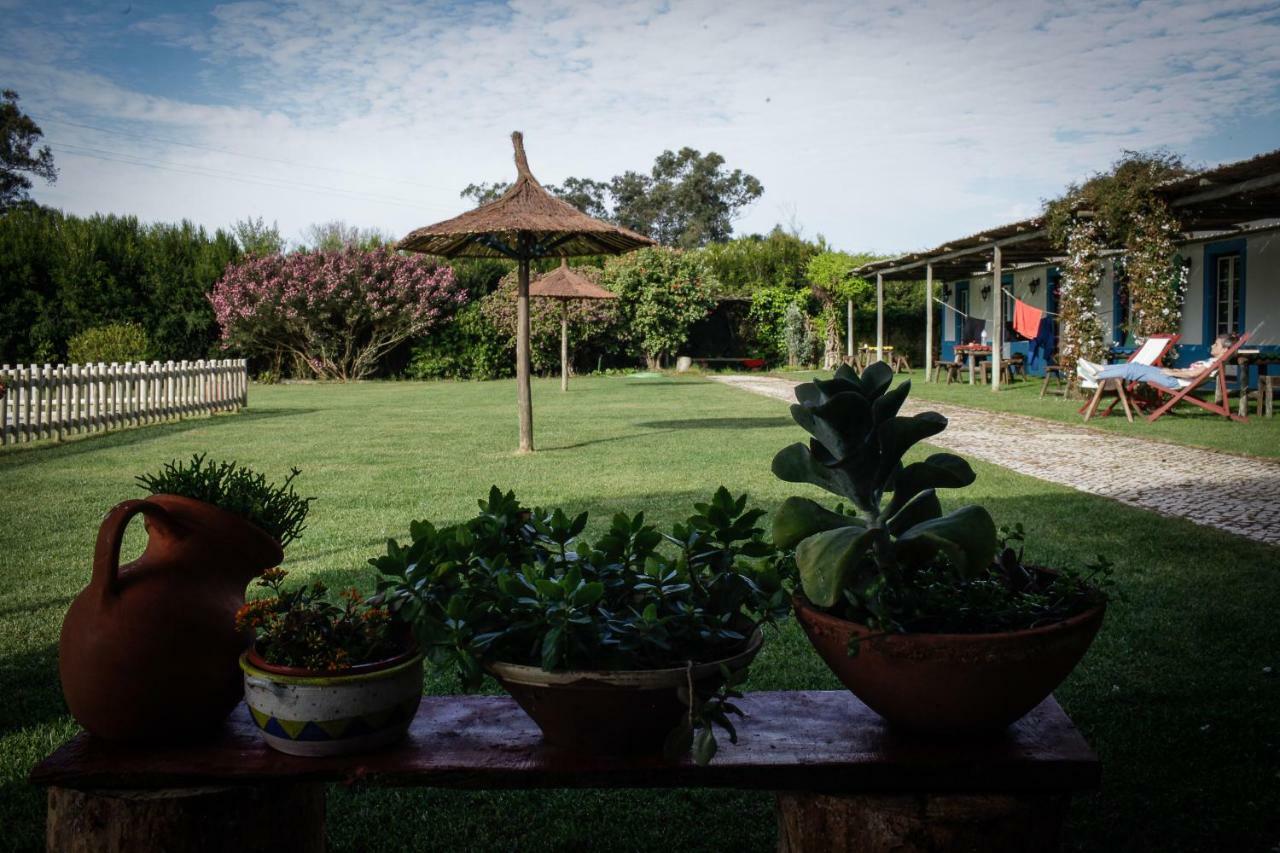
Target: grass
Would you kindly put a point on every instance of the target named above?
(1185, 424)
(1174, 696)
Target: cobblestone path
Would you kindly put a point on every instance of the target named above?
(1238, 494)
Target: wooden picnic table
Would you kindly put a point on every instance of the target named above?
(1245, 358)
(841, 777)
(971, 351)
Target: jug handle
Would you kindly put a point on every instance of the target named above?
(106, 555)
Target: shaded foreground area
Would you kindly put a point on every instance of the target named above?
(1175, 696)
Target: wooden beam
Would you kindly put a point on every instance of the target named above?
(879, 317)
(959, 253)
(997, 316)
(928, 321)
(1225, 190)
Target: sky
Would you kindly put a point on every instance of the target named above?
(883, 126)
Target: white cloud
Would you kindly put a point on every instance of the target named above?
(880, 125)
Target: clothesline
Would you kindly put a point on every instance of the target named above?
(951, 307)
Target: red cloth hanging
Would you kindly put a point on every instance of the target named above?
(1026, 319)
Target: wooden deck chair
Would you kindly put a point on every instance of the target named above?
(1221, 404)
(1151, 352)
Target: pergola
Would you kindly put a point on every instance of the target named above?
(1229, 198)
(1018, 243)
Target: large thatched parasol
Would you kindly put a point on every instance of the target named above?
(564, 284)
(527, 222)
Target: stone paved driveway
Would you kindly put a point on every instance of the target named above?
(1234, 493)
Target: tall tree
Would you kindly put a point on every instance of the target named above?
(257, 238)
(18, 136)
(688, 199)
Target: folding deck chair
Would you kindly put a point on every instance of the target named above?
(1151, 352)
(1221, 404)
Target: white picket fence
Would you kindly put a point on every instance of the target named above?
(41, 402)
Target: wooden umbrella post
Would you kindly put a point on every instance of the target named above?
(564, 344)
(523, 392)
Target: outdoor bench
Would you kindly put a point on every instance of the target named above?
(842, 780)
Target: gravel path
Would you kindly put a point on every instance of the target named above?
(1239, 494)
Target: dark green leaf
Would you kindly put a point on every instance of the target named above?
(967, 536)
(826, 560)
(799, 518)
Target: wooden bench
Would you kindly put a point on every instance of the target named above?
(843, 781)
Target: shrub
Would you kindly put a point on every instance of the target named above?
(662, 293)
(468, 347)
(114, 342)
(338, 312)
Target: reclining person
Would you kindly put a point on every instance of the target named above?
(1171, 378)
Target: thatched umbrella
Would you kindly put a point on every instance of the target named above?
(565, 284)
(527, 222)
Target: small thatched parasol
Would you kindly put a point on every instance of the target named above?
(527, 222)
(565, 284)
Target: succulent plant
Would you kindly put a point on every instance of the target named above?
(893, 526)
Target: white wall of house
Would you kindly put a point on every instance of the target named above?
(1261, 288)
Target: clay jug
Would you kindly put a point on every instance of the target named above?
(149, 650)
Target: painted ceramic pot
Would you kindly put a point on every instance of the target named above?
(612, 712)
(316, 713)
(148, 650)
(950, 684)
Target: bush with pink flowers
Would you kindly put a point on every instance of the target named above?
(336, 313)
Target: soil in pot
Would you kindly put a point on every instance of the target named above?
(950, 683)
(613, 712)
(314, 713)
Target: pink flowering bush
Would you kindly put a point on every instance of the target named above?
(337, 312)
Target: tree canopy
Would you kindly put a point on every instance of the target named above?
(18, 155)
(1115, 197)
(687, 200)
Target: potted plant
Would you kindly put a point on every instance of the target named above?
(929, 618)
(616, 646)
(148, 650)
(325, 677)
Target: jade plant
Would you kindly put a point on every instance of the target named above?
(887, 555)
(277, 509)
(519, 585)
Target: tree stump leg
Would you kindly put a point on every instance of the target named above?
(187, 820)
(919, 823)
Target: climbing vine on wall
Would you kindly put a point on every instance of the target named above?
(1157, 280)
(1080, 328)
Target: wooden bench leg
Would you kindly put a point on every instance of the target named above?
(187, 820)
(919, 823)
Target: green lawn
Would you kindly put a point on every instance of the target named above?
(1175, 694)
(1185, 424)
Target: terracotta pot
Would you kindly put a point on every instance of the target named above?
(314, 713)
(149, 650)
(611, 712)
(950, 683)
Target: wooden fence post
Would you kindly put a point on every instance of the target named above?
(4, 403)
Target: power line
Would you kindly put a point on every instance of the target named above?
(233, 153)
(259, 180)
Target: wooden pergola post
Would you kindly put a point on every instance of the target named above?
(879, 316)
(997, 317)
(928, 321)
(848, 329)
(524, 395)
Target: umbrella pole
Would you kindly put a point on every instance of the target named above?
(522, 359)
(564, 344)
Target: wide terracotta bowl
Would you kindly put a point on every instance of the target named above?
(950, 683)
(312, 713)
(612, 712)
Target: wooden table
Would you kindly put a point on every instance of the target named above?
(841, 777)
(1244, 359)
(971, 351)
